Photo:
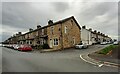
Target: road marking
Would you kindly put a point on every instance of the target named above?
(86, 60)
(99, 65)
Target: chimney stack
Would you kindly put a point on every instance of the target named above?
(30, 29)
(38, 26)
(19, 33)
(98, 32)
(84, 27)
(90, 29)
(50, 22)
(95, 31)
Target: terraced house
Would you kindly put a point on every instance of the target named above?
(64, 33)
(58, 35)
(93, 37)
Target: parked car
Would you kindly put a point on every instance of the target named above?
(25, 48)
(81, 46)
(109, 42)
(103, 43)
(116, 43)
(16, 46)
(10, 46)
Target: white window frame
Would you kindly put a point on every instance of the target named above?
(42, 31)
(54, 42)
(66, 29)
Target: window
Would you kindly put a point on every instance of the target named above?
(27, 42)
(21, 43)
(38, 42)
(59, 29)
(52, 28)
(65, 29)
(55, 41)
(30, 42)
(42, 31)
(42, 41)
(73, 41)
(72, 22)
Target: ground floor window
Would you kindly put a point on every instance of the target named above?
(27, 42)
(30, 42)
(55, 41)
(73, 41)
(21, 42)
(42, 41)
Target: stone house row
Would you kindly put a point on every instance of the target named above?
(62, 34)
(93, 37)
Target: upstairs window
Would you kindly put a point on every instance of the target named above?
(66, 29)
(42, 31)
(72, 22)
(55, 41)
(52, 28)
(73, 41)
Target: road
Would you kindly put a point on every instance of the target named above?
(61, 61)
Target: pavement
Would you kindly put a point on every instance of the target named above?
(60, 61)
(100, 60)
(49, 50)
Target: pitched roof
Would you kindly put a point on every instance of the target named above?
(55, 23)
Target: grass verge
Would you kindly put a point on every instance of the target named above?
(107, 49)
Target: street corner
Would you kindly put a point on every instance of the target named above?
(90, 60)
(104, 60)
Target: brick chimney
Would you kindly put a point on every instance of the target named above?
(90, 29)
(30, 29)
(98, 32)
(38, 26)
(95, 31)
(19, 33)
(50, 22)
(84, 27)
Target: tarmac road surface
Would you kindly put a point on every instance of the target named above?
(61, 61)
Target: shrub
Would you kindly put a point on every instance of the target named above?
(45, 46)
(39, 47)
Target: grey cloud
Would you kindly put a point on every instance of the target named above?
(97, 9)
(60, 6)
(119, 19)
(23, 15)
(109, 9)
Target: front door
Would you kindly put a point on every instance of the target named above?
(51, 43)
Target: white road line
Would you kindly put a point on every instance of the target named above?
(86, 60)
(99, 65)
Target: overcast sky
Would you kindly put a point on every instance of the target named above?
(20, 16)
